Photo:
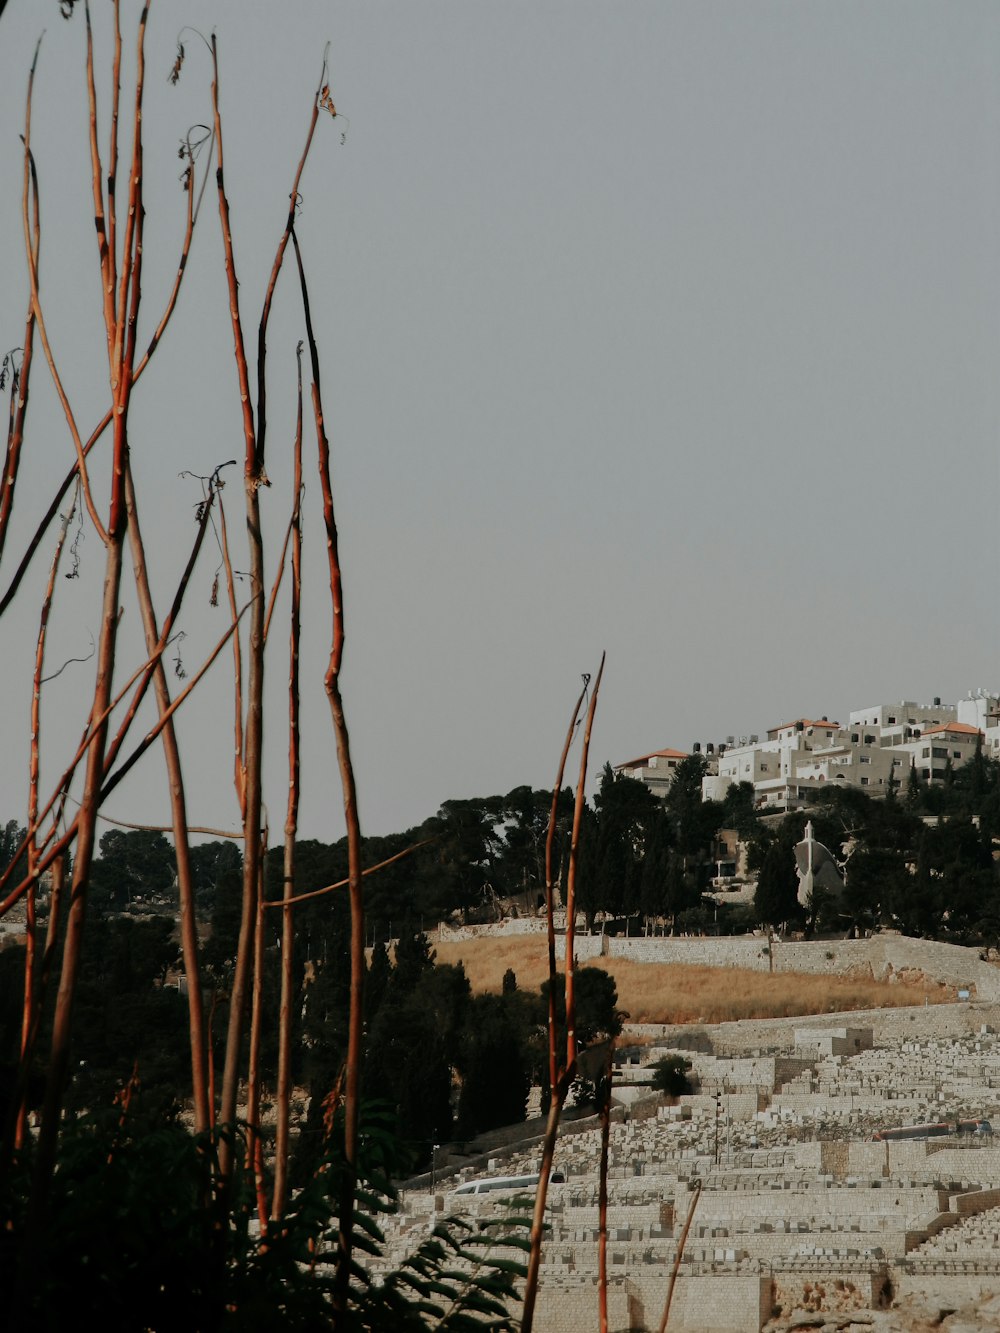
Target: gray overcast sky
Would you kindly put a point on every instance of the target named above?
(666, 328)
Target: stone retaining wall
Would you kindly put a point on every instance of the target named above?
(755, 1034)
(882, 956)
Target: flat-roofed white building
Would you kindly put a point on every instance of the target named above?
(895, 724)
(804, 733)
(980, 708)
(772, 765)
(871, 767)
(935, 748)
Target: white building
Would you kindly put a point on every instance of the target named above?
(930, 753)
(895, 724)
(875, 750)
(772, 766)
(979, 709)
(656, 769)
(855, 765)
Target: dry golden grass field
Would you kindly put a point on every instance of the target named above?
(669, 993)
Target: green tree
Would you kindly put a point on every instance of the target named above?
(132, 865)
(495, 1064)
(670, 1076)
(776, 896)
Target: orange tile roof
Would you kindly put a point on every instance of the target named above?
(962, 728)
(653, 754)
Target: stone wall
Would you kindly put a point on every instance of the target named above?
(755, 1034)
(724, 1303)
(881, 957)
(942, 1290)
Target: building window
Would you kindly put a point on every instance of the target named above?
(925, 753)
(891, 721)
(864, 759)
(855, 737)
(865, 781)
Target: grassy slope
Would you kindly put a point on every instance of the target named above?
(668, 993)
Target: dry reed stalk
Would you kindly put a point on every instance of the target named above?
(32, 256)
(239, 763)
(178, 804)
(679, 1255)
(20, 379)
(254, 1149)
(571, 876)
(331, 682)
(561, 1087)
(279, 577)
(94, 774)
(255, 477)
(106, 252)
(216, 999)
(280, 1192)
(602, 1198)
(31, 996)
(550, 837)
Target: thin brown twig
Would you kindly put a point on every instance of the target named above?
(43, 335)
(175, 782)
(280, 1192)
(169, 828)
(253, 478)
(21, 379)
(343, 883)
(239, 761)
(571, 876)
(279, 576)
(331, 681)
(602, 1199)
(293, 202)
(104, 250)
(559, 1092)
(550, 837)
(116, 80)
(31, 998)
(254, 1147)
(94, 771)
(679, 1255)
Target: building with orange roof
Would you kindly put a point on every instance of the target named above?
(656, 769)
(874, 751)
(936, 749)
